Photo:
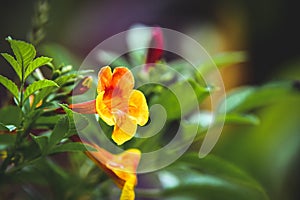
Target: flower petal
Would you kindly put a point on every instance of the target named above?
(124, 129)
(88, 107)
(127, 191)
(103, 110)
(138, 107)
(104, 79)
(122, 78)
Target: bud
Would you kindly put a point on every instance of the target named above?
(83, 86)
(155, 52)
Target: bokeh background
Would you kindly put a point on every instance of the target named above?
(268, 30)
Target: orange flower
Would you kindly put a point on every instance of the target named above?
(119, 104)
(121, 168)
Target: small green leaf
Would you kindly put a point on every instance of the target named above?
(23, 51)
(62, 80)
(36, 63)
(11, 60)
(71, 147)
(7, 128)
(37, 86)
(11, 86)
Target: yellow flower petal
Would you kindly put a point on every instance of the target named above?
(124, 129)
(138, 107)
(121, 168)
(118, 104)
(103, 110)
(127, 191)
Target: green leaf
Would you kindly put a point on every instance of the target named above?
(11, 115)
(23, 51)
(73, 117)
(175, 103)
(223, 60)
(59, 131)
(3, 128)
(62, 80)
(7, 128)
(11, 60)
(41, 141)
(208, 178)
(37, 85)
(249, 98)
(36, 63)
(72, 147)
(246, 119)
(11, 86)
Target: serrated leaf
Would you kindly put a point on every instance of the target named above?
(72, 147)
(36, 63)
(11, 86)
(11, 60)
(37, 86)
(23, 51)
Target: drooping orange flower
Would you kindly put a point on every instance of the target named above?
(119, 104)
(121, 168)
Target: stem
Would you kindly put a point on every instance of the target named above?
(21, 132)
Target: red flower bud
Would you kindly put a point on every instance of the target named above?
(155, 52)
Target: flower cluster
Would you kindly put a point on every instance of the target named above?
(123, 107)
